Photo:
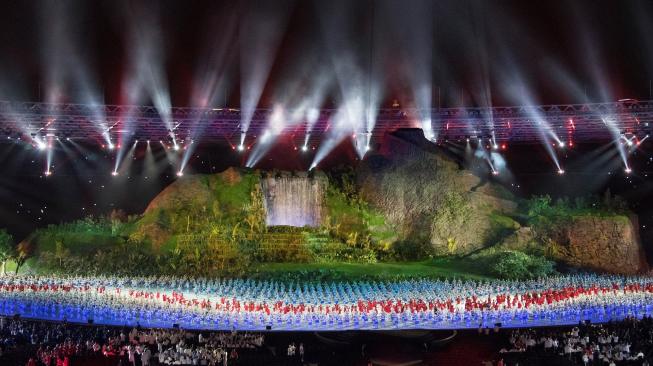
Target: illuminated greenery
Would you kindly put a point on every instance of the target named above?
(517, 265)
(7, 249)
(215, 226)
(546, 216)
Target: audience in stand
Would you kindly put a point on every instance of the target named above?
(56, 344)
(627, 342)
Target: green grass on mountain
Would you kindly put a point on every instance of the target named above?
(436, 268)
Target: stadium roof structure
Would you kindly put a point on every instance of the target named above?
(519, 124)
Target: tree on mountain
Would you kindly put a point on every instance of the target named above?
(61, 253)
(23, 252)
(6, 249)
(255, 213)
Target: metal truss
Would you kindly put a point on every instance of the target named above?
(520, 124)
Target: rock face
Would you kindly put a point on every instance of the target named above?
(600, 243)
(609, 244)
(427, 197)
(523, 240)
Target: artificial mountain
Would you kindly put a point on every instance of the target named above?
(408, 201)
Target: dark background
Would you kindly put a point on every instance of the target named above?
(475, 44)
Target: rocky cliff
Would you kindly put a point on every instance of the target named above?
(428, 197)
(600, 243)
(608, 244)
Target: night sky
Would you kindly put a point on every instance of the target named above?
(473, 52)
(472, 45)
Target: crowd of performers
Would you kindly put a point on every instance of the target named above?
(250, 304)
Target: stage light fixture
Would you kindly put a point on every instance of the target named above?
(561, 171)
(176, 147)
(495, 172)
(114, 173)
(112, 146)
(561, 144)
(628, 170)
(241, 147)
(304, 148)
(180, 174)
(47, 173)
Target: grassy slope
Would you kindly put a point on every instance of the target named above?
(438, 268)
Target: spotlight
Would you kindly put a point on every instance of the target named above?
(241, 147)
(180, 173)
(495, 146)
(47, 173)
(41, 146)
(367, 148)
(560, 171)
(561, 144)
(176, 147)
(304, 148)
(112, 146)
(628, 170)
(114, 173)
(495, 172)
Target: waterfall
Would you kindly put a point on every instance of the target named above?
(293, 200)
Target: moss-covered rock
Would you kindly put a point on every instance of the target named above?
(427, 197)
(601, 243)
(605, 243)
